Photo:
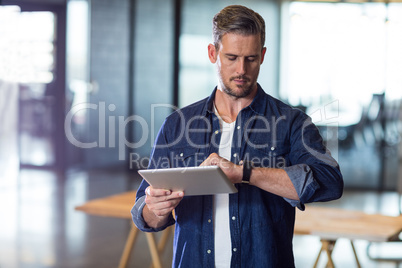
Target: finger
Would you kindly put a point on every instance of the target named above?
(163, 212)
(150, 200)
(205, 162)
(174, 195)
(150, 191)
(212, 160)
(178, 194)
(216, 159)
(165, 207)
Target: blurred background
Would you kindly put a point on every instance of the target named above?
(86, 84)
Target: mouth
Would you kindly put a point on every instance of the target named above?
(240, 80)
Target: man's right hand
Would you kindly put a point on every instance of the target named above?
(159, 205)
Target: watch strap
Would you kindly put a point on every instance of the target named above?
(247, 167)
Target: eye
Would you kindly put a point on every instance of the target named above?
(251, 59)
(232, 58)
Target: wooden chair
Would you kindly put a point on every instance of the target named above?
(119, 206)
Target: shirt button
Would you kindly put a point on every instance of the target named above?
(234, 155)
(181, 155)
(238, 127)
(233, 218)
(209, 251)
(234, 249)
(216, 131)
(209, 221)
(272, 148)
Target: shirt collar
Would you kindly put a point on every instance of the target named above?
(258, 105)
(209, 108)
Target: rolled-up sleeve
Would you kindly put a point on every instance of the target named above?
(136, 213)
(302, 178)
(315, 174)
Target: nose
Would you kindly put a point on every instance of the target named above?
(241, 67)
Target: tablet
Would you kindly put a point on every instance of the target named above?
(202, 180)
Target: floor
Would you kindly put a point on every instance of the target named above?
(40, 228)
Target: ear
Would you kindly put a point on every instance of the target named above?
(212, 53)
(263, 54)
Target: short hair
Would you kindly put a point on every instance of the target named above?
(240, 20)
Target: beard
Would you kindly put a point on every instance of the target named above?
(241, 91)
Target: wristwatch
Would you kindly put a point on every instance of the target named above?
(247, 167)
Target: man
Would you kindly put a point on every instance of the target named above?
(271, 152)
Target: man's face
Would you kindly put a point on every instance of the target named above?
(238, 63)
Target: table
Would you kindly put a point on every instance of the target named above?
(119, 206)
(331, 224)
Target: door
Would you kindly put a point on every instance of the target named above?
(35, 56)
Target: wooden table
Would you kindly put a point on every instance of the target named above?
(331, 224)
(119, 206)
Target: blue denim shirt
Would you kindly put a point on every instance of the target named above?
(269, 133)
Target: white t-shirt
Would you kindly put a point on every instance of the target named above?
(223, 243)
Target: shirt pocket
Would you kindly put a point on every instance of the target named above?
(273, 154)
(186, 157)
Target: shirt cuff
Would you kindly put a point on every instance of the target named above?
(138, 219)
(302, 178)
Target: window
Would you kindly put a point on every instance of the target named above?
(341, 51)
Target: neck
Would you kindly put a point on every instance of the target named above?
(229, 106)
